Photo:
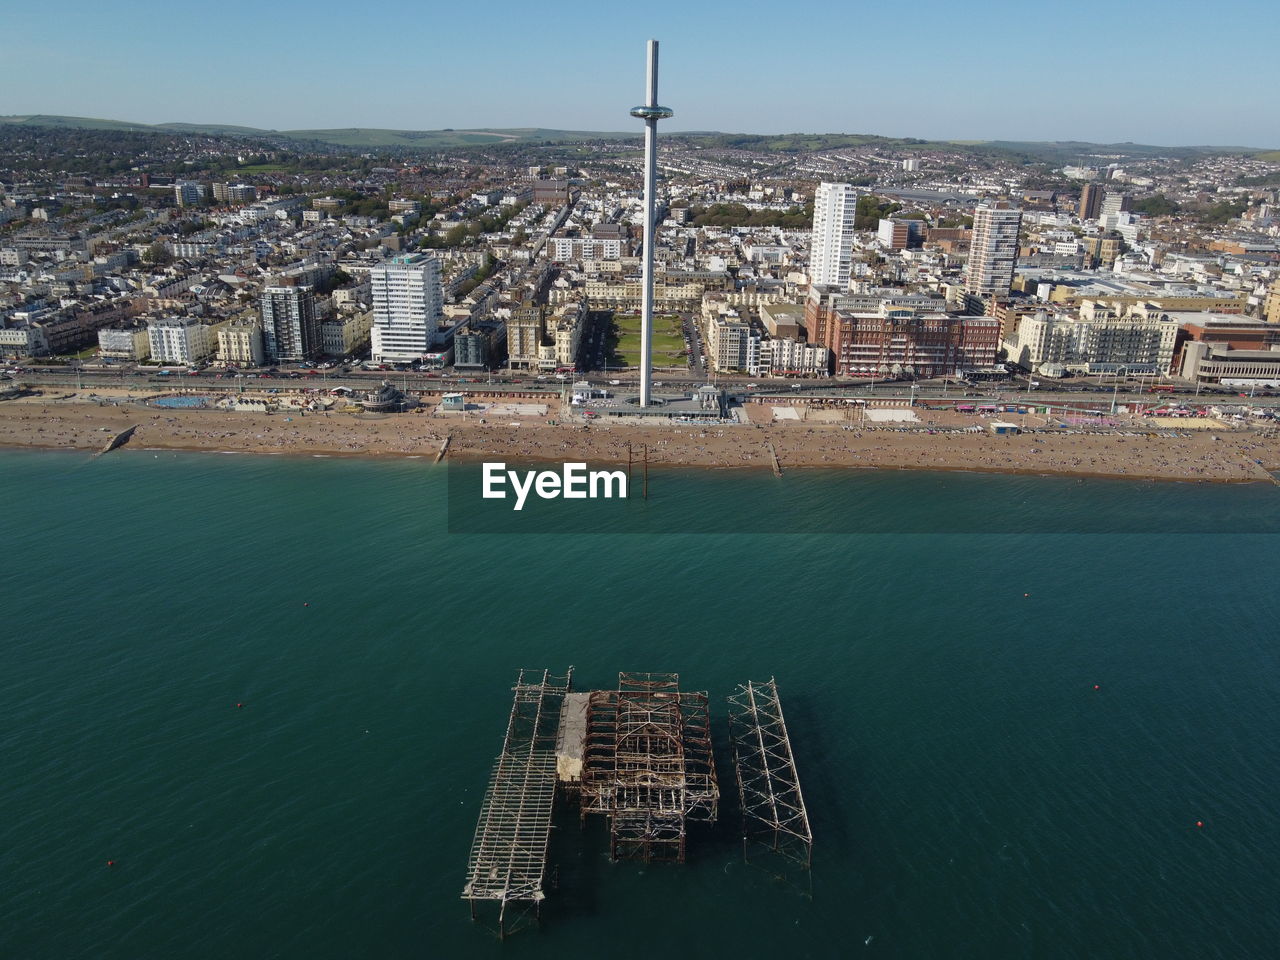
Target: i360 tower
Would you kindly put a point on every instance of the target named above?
(650, 113)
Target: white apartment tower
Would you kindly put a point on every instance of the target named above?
(407, 306)
(994, 249)
(831, 255)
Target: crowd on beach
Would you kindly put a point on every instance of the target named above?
(1228, 455)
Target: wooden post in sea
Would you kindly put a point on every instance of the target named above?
(646, 472)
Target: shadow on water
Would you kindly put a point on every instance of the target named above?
(573, 865)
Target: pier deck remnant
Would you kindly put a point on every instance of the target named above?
(508, 859)
(773, 810)
(648, 765)
(119, 440)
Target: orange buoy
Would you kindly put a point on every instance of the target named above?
(111, 863)
(239, 705)
(1199, 823)
(1097, 687)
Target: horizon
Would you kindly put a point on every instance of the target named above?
(17, 119)
(723, 69)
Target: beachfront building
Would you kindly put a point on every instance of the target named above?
(525, 331)
(835, 206)
(1205, 362)
(732, 345)
(124, 343)
(240, 342)
(408, 302)
(905, 340)
(342, 335)
(179, 340)
(1097, 341)
(290, 327)
(565, 327)
(480, 344)
(788, 357)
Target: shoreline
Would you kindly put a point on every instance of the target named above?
(1203, 456)
(474, 458)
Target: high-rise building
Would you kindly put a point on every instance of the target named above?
(188, 192)
(407, 306)
(831, 255)
(525, 333)
(290, 328)
(994, 249)
(1115, 203)
(1090, 201)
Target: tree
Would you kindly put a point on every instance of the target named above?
(1156, 206)
(158, 254)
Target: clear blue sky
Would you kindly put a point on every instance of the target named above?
(1169, 72)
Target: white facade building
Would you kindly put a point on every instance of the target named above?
(788, 357)
(732, 345)
(831, 254)
(127, 343)
(407, 306)
(179, 340)
(1094, 343)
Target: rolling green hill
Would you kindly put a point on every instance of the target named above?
(345, 137)
(789, 143)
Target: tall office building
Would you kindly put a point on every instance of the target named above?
(1090, 201)
(994, 249)
(407, 306)
(1115, 203)
(290, 328)
(834, 208)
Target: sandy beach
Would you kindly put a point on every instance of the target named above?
(1226, 455)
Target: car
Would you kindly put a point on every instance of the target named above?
(657, 383)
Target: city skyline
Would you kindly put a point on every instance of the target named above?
(289, 67)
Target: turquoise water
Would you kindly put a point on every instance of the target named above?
(972, 794)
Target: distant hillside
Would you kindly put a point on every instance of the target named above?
(344, 137)
(1056, 152)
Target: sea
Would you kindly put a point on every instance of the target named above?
(248, 707)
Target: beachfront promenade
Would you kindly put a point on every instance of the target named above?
(1134, 448)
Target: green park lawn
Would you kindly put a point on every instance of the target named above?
(624, 341)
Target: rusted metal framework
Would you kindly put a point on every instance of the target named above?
(773, 811)
(508, 859)
(648, 765)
